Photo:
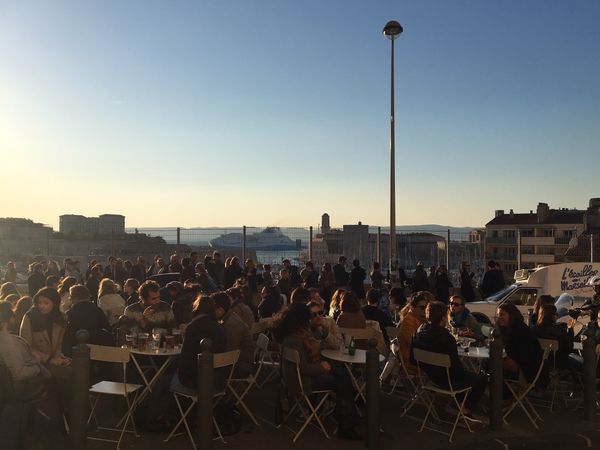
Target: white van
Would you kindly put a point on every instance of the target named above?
(531, 283)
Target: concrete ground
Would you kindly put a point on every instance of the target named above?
(562, 429)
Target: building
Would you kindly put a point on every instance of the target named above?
(540, 237)
(104, 225)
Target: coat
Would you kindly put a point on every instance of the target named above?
(40, 340)
(239, 338)
(406, 331)
(16, 354)
(308, 370)
(244, 312)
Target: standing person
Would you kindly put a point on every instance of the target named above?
(340, 274)
(138, 270)
(233, 272)
(11, 273)
(431, 279)
(493, 280)
(284, 284)
(309, 275)
(251, 275)
(188, 271)
(442, 284)
(326, 284)
(53, 270)
(174, 264)
(376, 276)
(466, 282)
(93, 282)
(36, 279)
(357, 279)
(419, 278)
(218, 269)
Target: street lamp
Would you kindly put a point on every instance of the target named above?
(391, 31)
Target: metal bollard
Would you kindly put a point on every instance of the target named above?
(373, 395)
(496, 380)
(80, 385)
(589, 371)
(205, 395)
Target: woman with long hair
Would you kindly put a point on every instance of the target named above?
(523, 351)
(63, 291)
(292, 330)
(20, 309)
(109, 300)
(335, 306)
(411, 318)
(547, 328)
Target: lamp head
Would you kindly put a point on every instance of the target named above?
(392, 30)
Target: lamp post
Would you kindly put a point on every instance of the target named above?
(391, 31)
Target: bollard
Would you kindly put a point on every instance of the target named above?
(204, 428)
(373, 395)
(589, 371)
(80, 385)
(496, 380)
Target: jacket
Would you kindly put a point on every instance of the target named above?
(113, 306)
(308, 370)
(340, 275)
(522, 346)
(406, 331)
(351, 320)
(86, 316)
(439, 340)
(16, 354)
(40, 340)
(244, 312)
(564, 336)
(467, 320)
(239, 338)
(199, 328)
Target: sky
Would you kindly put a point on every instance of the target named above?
(272, 112)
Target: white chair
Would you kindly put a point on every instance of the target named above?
(240, 387)
(221, 360)
(557, 376)
(520, 388)
(309, 408)
(121, 389)
(266, 359)
(442, 361)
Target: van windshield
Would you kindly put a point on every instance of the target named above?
(501, 294)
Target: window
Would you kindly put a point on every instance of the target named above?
(495, 233)
(510, 252)
(495, 251)
(548, 232)
(527, 250)
(523, 297)
(527, 233)
(568, 233)
(510, 233)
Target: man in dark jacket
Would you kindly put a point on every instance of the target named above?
(340, 274)
(493, 280)
(357, 279)
(36, 280)
(372, 312)
(433, 336)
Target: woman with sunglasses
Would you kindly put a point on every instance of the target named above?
(460, 317)
(412, 316)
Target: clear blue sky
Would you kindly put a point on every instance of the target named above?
(272, 112)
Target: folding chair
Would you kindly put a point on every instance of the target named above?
(303, 401)
(520, 388)
(121, 389)
(266, 359)
(251, 380)
(556, 375)
(221, 360)
(440, 360)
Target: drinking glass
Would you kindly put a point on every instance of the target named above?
(156, 337)
(142, 342)
(130, 341)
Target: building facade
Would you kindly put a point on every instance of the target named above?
(106, 224)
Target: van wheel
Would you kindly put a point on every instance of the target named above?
(482, 318)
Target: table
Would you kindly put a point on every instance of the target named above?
(360, 357)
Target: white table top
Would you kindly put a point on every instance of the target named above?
(161, 352)
(475, 352)
(577, 346)
(360, 357)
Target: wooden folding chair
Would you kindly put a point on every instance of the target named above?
(520, 388)
(221, 360)
(120, 389)
(440, 360)
(308, 407)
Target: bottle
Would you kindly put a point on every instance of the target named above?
(352, 347)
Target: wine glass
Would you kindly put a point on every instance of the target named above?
(156, 336)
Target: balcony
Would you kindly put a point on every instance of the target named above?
(500, 240)
(538, 259)
(538, 240)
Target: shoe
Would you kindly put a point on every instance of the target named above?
(349, 434)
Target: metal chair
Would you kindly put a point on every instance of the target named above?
(120, 389)
(556, 375)
(440, 360)
(520, 388)
(221, 360)
(266, 359)
(309, 408)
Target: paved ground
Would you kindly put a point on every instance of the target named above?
(563, 429)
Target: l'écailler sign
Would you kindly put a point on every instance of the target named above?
(573, 279)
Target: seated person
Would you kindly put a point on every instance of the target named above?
(411, 318)
(85, 315)
(460, 317)
(547, 328)
(270, 303)
(324, 328)
(292, 330)
(150, 312)
(433, 336)
(373, 312)
(351, 315)
(237, 332)
(110, 301)
(239, 307)
(203, 325)
(28, 374)
(523, 351)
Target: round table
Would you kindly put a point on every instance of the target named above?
(475, 352)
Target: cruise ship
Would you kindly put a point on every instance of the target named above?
(270, 239)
